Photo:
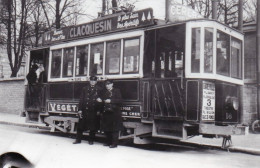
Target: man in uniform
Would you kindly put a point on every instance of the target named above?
(111, 122)
(89, 110)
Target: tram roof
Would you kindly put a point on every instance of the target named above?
(157, 24)
(163, 23)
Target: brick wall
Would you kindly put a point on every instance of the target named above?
(12, 96)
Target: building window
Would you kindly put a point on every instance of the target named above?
(82, 60)
(1, 71)
(96, 59)
(223, 54)
(195, 50)
(131, 55)
(56, 63)
(113, 50)
(21, 72)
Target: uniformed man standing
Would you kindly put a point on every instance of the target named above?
(89, 110)
(111, 122)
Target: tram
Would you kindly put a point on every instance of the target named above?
(177, 79)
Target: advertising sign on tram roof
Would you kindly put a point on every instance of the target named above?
(121, 21)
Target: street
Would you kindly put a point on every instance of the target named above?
(45, 149)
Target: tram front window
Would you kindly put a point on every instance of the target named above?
(223, 54)
(195, 57)
(208, 50)
(56, 64)
(68, 62)
(113, 57)
(236, 65)
(82, 60)
(131, 55)
(96, 59)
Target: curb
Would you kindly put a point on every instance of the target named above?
(245, 150)
(26, 125)
(231, 148)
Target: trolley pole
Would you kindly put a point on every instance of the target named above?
(214, 9)
(166, 10)
(258, 56)
(240, 15)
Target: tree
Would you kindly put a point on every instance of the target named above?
(64, 11)
(227, 9)
(14, 18)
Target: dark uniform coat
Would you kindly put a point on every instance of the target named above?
(31, 77)
(90, 107)
(111, 116)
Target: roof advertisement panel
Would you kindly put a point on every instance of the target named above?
(108, 24)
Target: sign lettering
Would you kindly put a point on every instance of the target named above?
(130, 111)
(115, 23)
(208, 104)
(62, 107)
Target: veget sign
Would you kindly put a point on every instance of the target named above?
(60, 107)
(115, 23)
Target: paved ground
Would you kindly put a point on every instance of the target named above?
(249, 143)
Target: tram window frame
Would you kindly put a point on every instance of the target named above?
(208, 49)
(108, 67)
(93, 59)
(66, 60)
(124, 56)
(238, 61)
(225, 61)
(53, 63)
(195, 66)
(80, 59)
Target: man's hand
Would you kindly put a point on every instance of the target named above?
(99, 100)
(108, 101)
(80, 114)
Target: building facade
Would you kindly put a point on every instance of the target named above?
(249, 90)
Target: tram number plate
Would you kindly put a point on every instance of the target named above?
(62, 107)
(208, 104)
(130, 111)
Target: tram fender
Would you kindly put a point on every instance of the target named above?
(221, 130)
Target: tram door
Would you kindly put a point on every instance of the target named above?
(36, 93)
(167, 88)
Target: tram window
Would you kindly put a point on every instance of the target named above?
(236, 60)
(113, 49)
(131, 55)
(96, 59)
(68, 62)
(56, 64)
(195, 57)
(223, 53)
(82, 60)
(208, 50)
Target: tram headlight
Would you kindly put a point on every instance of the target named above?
(232, 103)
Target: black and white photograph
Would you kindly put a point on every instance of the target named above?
(130, 83)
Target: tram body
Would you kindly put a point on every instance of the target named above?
(177, 80)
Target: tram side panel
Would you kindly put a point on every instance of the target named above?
(202, 107)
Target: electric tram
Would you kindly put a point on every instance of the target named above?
(177, 79)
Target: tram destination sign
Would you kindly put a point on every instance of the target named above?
(118, 22)
(208, 103)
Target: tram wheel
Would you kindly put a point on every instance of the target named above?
(256, 126)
